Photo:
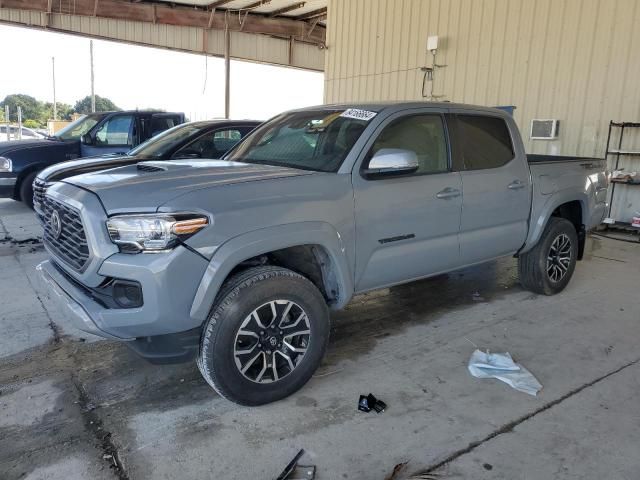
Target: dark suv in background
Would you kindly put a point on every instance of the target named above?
(94, 134)
(203, 139)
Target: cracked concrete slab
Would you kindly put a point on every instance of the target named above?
(18, 222)
(408, 345)
(28, 405)
(70, 468)
(591, 435)
(24, 322)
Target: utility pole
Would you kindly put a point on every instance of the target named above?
(93, 95)
(6, 119)
(227, 68)
(19, 122)
(53, 74)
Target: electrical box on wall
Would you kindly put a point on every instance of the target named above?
(544, 129)
(432, 43)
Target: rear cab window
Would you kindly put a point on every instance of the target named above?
(483, 141)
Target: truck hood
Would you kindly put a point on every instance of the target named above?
(147, 185)
(15, 145)
(63, 170)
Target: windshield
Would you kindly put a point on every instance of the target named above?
(76, 129)
(310, 140)
(162, 143)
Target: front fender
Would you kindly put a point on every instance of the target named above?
(265, 240)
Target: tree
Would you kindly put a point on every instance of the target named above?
(30, 124)
(31, 108)
(102, 105)
(64, 112)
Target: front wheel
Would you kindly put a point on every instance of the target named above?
(26, 189)
(266, 335)
(548, 267)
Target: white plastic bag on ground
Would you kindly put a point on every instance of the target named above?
(502, 367)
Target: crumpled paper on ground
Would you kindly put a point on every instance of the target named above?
(502, 367)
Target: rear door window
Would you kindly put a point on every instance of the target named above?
(484, 141)
(160, 123)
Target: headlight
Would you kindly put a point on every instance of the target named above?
(5, 164)
(137, 233)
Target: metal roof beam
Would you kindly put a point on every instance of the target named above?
(251, 6)
(218, 3)
(312, 14)
(177, 15)
(289, 8)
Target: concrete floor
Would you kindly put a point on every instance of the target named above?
(73, 407)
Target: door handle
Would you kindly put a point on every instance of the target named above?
(448, 193)
(515, 185)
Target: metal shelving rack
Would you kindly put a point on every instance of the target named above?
(619, 152)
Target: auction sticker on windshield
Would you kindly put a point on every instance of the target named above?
(358, 114)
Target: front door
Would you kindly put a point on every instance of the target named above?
(407, 226)
(115, 135)
(496, 188)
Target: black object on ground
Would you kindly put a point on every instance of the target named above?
(370, 402)
(291, 467)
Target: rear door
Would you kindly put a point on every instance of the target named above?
(407, 226)
(164, 121)
(496, 187)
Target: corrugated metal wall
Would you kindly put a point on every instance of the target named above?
(574, 60)
(244, 46)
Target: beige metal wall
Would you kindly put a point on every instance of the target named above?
(574, 60)
(244, 46)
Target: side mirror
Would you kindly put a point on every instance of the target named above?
(86, 139)
(392, 161)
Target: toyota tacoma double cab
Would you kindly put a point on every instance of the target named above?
(238, 262)
(94, 134)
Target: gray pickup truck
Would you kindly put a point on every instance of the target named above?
(237, 262)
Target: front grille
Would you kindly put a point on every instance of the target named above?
(39, 189)
(70, 245)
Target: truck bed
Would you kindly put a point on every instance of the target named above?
(539, 158)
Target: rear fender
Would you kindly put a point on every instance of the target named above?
(259, 242)
(540, 215)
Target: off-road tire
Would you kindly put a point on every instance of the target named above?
(238, 297)
(26, 189)
(532, 266)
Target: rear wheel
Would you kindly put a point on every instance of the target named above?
(26, 189)
(266, 335)
(548, 267)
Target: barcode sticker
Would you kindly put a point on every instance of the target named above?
(358, 114)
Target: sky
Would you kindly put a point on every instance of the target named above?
(143, 77)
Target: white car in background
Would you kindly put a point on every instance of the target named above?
(27, 133)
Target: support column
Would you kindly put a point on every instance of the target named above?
(227, 76)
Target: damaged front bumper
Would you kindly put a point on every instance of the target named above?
(73, 300)
(160, 329)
